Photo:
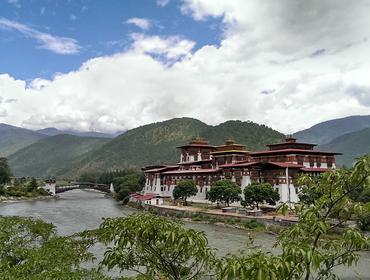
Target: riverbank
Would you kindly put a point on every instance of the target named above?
(12, 199)
(226, 220)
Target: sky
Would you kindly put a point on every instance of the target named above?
(114, 65)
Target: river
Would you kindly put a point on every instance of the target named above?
(79, 210)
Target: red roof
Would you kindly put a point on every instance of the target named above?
(141, 197)
(315, 169)
(289, 151)
(193, 171)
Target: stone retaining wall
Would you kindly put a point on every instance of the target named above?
(184, 213)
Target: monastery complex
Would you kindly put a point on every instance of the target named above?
(280, 165)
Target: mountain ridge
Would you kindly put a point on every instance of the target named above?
(326, 131)
(156, 144)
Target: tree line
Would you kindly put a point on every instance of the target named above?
(17, 187)
(226, 192)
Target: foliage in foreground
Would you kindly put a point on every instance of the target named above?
(153, 246)
(30, 249)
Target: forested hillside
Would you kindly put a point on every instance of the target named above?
(52, 156)
(14, 138)
(65, 156)
(352, 145)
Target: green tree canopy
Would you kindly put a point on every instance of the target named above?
(224, 191)
(155, 248)
(185, 189)
(5, 172)
(30, 249)
(257, 193)
(127, 184)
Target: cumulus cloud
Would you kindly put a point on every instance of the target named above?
(287, 64)
(142, 23)
(59, 45)
(171, 47)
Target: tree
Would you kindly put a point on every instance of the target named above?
(307, 252)
(5, 172)
(224, 191)
(30, 249)
(184, 189)
(155, 248)
(127, 184)
(32, 185)
(257, 193)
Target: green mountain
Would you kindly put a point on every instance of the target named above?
(352, 145)
(14, 138)
(156, 143)
(52, 156)
(325, 132)
(52, 131)
(67, 156)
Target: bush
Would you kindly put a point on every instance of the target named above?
(253, 224)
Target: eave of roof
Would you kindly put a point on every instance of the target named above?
(196, 146)
(292, 151)
(156, 170)
(230, 152)
(293, 143)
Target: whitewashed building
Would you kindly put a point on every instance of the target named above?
(280, 166)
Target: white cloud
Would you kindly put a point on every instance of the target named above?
(162, 3)
(59, 45)
(142, 23)
(270, 68)
(172, 47)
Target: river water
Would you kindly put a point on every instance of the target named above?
(79, 210)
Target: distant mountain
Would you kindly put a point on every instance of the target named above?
(67, 156)
(352, 145)
(156, 143)
(13, 138)
(325, 132)
(52, 131)
(52, 156)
